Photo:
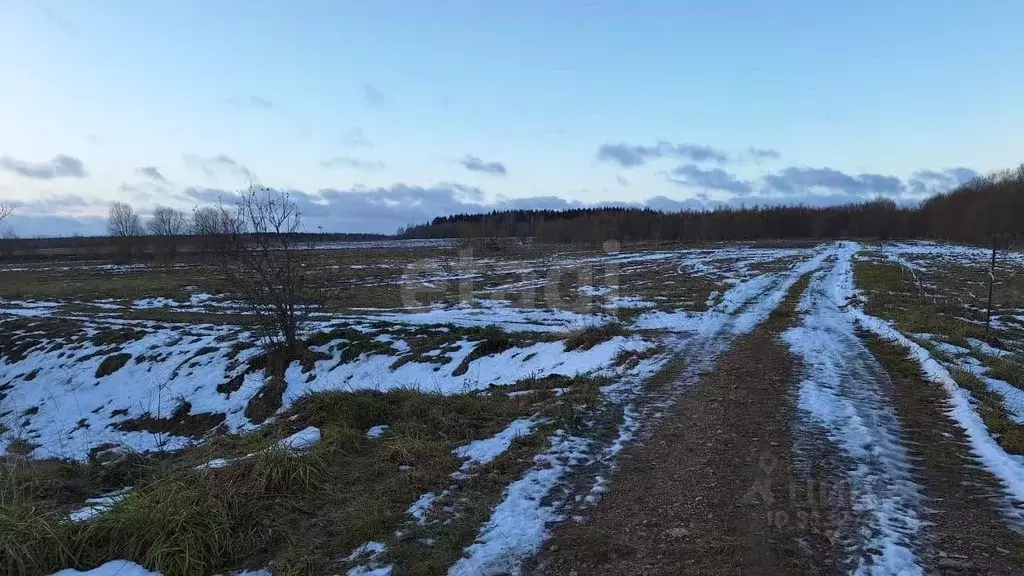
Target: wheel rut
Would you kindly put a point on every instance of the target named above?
(714, 490)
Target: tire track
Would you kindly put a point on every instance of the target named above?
(846, 393)
(592, 461)
(712, 490)
(922, 502)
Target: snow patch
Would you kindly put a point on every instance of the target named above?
(96, 506)
(112, 568)
(519, 524)
(302, 440)
(480, 452)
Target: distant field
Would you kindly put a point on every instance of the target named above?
(448, 392)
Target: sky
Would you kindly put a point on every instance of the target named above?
(380, 114)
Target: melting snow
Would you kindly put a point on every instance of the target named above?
(368, 553)
(519, 524)
(841, 392)
(302, 440)
(113, 568)
(99, 505)
(480, 452)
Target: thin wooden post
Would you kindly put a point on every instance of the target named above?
(991, 281)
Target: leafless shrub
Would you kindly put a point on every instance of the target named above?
(262, 259)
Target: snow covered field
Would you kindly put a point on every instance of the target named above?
(565, 343)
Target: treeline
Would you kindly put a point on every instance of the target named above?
(166, 234)
(972, 213)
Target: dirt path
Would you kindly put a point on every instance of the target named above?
(808, 449)
(714, 490)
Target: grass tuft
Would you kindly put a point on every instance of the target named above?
(33, 540)
(587, 338)
(492, 341)
(112, 364)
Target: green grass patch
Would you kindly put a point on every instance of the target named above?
(895, 294)
(1007, 369)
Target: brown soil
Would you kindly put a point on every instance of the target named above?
(714, 491)
(180, 423)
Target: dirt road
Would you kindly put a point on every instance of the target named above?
(808, 449)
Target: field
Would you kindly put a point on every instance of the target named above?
(785, 408)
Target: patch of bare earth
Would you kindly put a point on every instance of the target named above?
(715, 489)
(967, 531)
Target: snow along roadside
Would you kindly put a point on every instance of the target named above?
(1004, 466)
(1008, 469)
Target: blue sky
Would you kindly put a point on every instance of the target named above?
(383, 113)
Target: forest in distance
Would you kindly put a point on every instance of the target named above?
(975, 213)
(984, 210)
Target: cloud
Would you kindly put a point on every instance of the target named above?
(474, 164)
(713, 179)
(929, 182)
(630, 155)
(260, 102)
(385, 209)
(152, 173)
(204, 195)
(48, 225)
(61, 166)
(761, 154)
(794, 180)
(622, 181)
(219, 165)
(251, 101)
(809, 185)
(355, 138)
(374, 98)
(350, 162)
(49, 204)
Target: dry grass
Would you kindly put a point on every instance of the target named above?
(290, 512)
(894, 293)
(587, 338)
(181, 422)
(112, 364)
(901, 296)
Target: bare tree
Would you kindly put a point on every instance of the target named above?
(7, 234)
(167, 223)
(209, 221)
(5, 211)
(124, 223)
(263, 260)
